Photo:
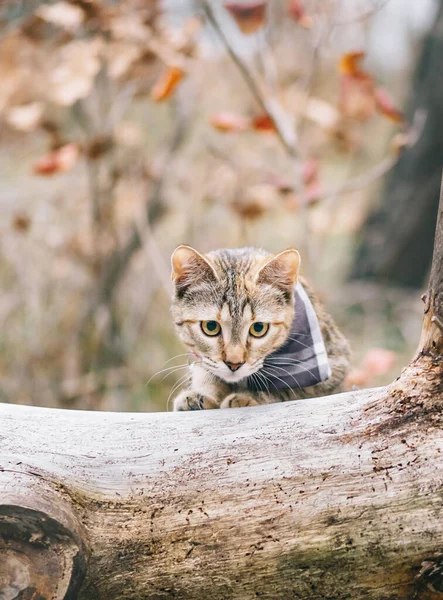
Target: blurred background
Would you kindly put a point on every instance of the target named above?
(129, 127)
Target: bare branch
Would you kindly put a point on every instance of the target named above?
(270, 107)
(378, 6)
(117, 263)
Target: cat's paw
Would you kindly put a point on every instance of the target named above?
(238, 400)
(188, 400)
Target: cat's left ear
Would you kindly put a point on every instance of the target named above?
(281, 270)
(190, 267)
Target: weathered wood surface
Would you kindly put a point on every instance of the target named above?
(337, 497)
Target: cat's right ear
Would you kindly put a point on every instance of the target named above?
(189, 267)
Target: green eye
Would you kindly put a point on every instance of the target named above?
(210, 327)
(258, 329)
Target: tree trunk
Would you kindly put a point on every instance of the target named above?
(396, 247)
(337, 497)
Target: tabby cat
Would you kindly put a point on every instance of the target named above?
(258, 333)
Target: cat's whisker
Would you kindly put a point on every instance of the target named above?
(184, 379)
(174, 370)
(170, 369)
(165, 363)
(298, 341)
(299, 365)
(262, 379)
(262, 374)
(285, 371)
(303, 334)
(282, 380)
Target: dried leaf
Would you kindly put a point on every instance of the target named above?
(296, 10)
(312, 194)
(376, 362)
(379, 361)
(349, 64)
(167, 83)
(250, 17)
(26, 117)
(58, 161)
(255, 201)
(357, 100)
(229, 122)
(310, 170)
(386, 107)
(73, 77)
(21, 222)
(120, 57)
(263, 123)
(63, 14)
(357, 377)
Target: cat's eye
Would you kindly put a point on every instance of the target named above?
(258, 329)
(210, 327)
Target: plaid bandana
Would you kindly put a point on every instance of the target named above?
(302, 361)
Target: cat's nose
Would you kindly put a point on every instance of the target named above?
(233, 366)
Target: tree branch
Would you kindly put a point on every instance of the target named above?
(285, 134)
(116, 264)
(431, 341)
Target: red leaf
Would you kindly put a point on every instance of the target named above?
(386, 107)
(310, 171)
(58, 161)
(167, 83)
(249, 16)
(297, 12)
(378, 361)
(229, 122)
(357, 99)
(263, 123)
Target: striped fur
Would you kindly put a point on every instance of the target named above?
(236, 288)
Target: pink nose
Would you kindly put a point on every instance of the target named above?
(233, 366)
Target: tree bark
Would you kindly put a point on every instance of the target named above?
(396, 245)
(337, 497)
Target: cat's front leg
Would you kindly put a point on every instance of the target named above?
(206, 392)
(190, 400)
(239, 399)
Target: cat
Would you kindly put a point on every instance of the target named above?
(235, 311)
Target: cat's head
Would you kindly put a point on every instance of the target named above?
(232, 308)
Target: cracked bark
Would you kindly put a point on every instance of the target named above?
(337, 497)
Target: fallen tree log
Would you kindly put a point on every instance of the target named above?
(330, 498)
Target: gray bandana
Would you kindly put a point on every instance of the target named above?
(302, 361)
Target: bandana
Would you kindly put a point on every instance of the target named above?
(302, 361)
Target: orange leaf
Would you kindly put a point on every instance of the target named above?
(386, 107)
(229, 122)
(167, 83)
(349, 64)
(58, 161)
(248, 16)
(263, 123)
(297, 12)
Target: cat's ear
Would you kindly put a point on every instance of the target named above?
(190, 267)
(281, 270)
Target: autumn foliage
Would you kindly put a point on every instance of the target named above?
(110, 93)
